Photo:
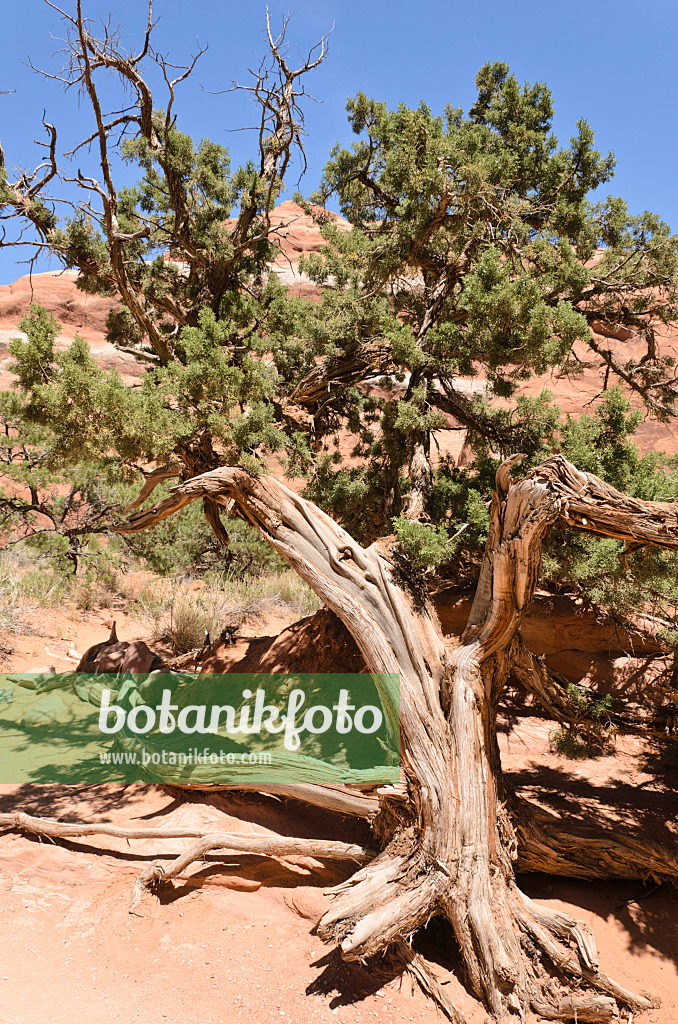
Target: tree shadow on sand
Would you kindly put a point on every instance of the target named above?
(647, 912)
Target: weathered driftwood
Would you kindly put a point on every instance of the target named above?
(451, 847)
(268, 846)
(206, 842)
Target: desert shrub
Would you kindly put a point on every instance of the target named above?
(591, 718)
(182, 614)
(425, 546)
(191, 616)
(568, 743)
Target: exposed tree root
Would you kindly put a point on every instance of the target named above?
(554, 692)
(545, 842)
(267, 846)
(451, 838)
(578, 960)
(426, 978)
(571, 947)
(574, 850)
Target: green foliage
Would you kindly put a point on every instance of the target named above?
(209, 395)
(491, 218)
(474, 249)
(567, 743)
(600, 709)
(590, 722)
(425, 546)
(48, 507)
(587, 705)
(445, 179)
(602, 444)
(621, 581)
(76, 490)
(185, 545)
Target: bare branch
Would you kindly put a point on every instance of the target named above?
(155, 477)
(133, 61)
(126, 119)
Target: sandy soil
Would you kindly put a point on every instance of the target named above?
(233, 940)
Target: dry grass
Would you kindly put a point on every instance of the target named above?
(88, 596)
(192, 616)
(23, 589)
(262, 593)
(29, 583)
(178, 612)
(183, 613)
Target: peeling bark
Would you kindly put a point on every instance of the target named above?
(555, 846)
(451, 846)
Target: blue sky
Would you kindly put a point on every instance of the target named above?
(609, 61)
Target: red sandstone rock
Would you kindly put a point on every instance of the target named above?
(577, 639)
(295, 233)
(57, 292)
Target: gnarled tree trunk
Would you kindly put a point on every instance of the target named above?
(450, 840)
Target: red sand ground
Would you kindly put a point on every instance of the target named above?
(232, 940)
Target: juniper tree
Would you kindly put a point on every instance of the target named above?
(474, 248)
